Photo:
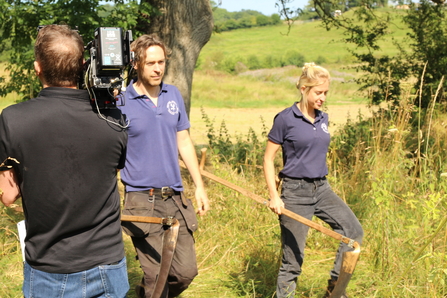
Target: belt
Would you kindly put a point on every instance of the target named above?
(314, 179)
(164, 192)
(307, 179)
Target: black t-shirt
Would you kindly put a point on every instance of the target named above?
(67, 174)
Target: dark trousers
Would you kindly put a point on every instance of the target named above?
(149, 248)
(309, 198)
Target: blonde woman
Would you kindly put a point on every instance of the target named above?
(302, 132)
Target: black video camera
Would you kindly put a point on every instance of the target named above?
(110, 55)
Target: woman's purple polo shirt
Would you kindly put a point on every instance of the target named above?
(304, 144)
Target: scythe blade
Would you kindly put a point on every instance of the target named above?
(349, 262)
(169, 243)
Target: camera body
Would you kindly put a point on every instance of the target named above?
(109, 56)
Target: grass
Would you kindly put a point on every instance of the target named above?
(11, 256)
(276, 87)
(265, 88)
(10, 98)
(309, 39)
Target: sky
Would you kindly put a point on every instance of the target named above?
(266, 7)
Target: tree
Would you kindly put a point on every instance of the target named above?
(185, 26)
(262, 20)
(20, 20)
(421, 56)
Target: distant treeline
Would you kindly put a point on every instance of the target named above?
(225, 20)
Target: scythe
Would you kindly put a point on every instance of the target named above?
(350, 258)
(169, 243)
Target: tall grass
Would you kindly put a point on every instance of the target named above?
(11, 256)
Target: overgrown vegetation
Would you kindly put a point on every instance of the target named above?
(245, 154)
(421, 55)
(389, 168)
(227, 21)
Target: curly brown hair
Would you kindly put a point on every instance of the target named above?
(142, 43)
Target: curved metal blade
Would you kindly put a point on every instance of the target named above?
(169, 244)
(349, 261)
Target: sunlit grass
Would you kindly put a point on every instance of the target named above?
(310, 39)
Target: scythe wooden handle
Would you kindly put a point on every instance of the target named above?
(145, 219)
(284, 211)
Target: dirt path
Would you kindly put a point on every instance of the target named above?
(238, 121)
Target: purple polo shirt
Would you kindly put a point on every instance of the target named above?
(304, 144)
(152, 152)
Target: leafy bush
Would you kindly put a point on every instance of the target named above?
(293, 57)
(320, 60)
(226, 21)
(253, 62)
(263, 20)
(245, 153)
(270, 61)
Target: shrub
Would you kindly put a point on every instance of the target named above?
(293, 57)
(253, 62)
(245, 153)
(320, 60)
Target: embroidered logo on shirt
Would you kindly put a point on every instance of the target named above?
(324, 127)
(172, 107)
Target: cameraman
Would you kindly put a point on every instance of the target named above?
(63, 159)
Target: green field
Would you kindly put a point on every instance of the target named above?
(276, 87)
(309, 39)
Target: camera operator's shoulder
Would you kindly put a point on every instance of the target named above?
(20, 107)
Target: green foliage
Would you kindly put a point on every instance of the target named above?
(421, 56)
(245, 154)
(321, 60)
(238, 64)
(428, 41)
(253, 62)
(227, 21)
(20, 20)
(292, 57)
(263, 20)
(270, 45)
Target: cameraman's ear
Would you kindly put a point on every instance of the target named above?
(37, 68)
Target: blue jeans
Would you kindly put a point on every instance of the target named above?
(103, 281)
(308, 198)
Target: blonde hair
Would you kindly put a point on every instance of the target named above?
(313, 75)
